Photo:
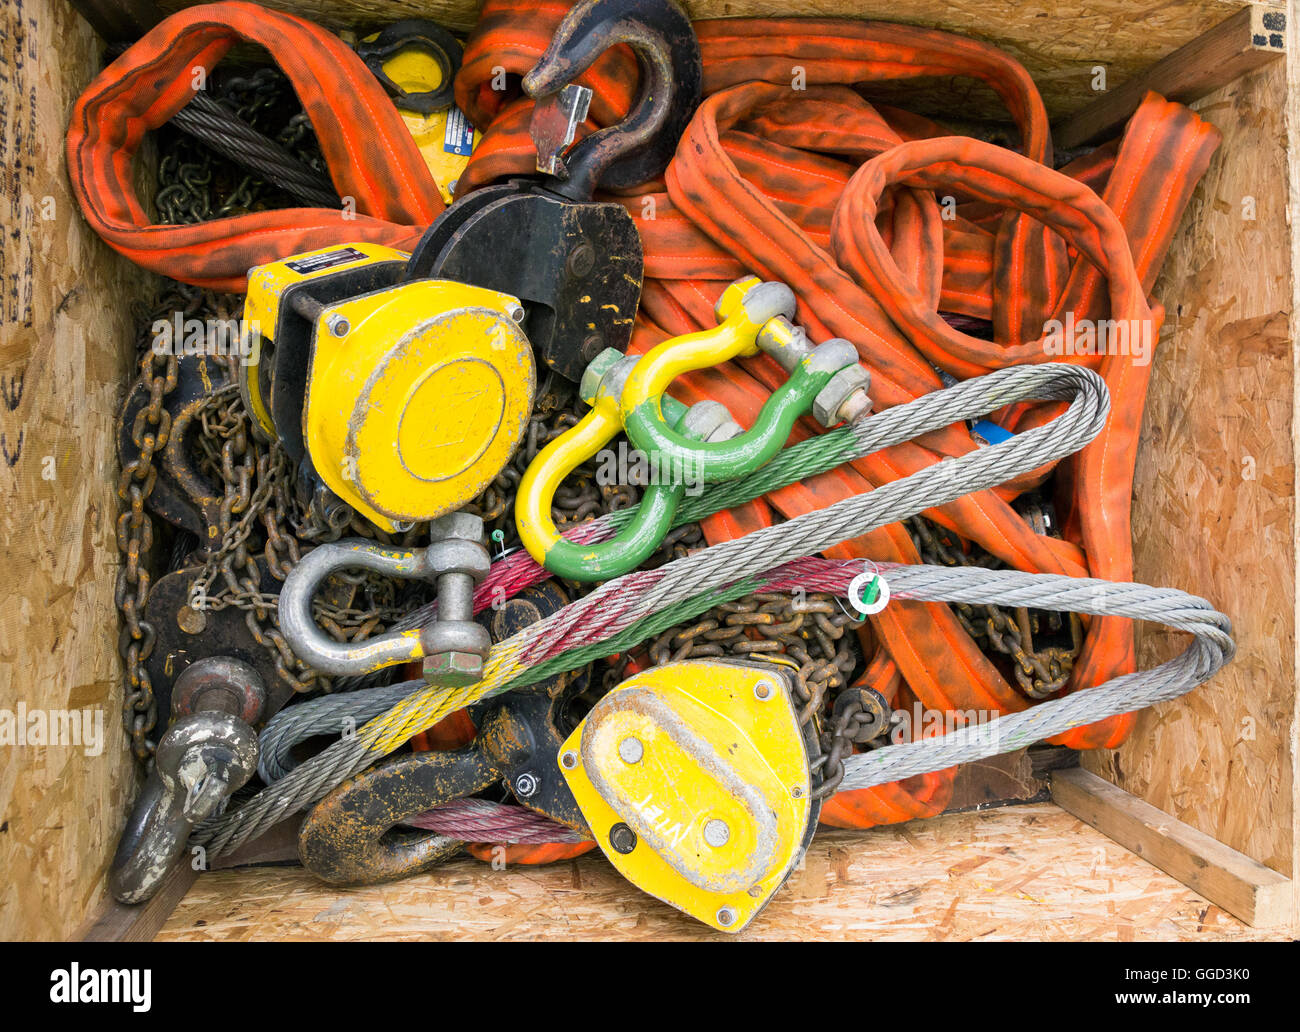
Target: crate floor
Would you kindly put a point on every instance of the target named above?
(1024, 872)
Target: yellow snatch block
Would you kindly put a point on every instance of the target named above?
(695, 779)
(417, 397)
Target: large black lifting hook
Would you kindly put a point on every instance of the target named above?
(355, 835)
(576, 263)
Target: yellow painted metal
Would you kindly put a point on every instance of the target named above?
(735, 336)
(412, 69)
(430, 134)
(422, 401)
(537, 487)
(417, 72)
(417, 394)
(266, 287)
(706, 763)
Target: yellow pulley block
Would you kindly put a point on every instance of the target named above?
(416, 393)
(695, 778)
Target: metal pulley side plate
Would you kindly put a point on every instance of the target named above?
(421, 401)
(576, 265)
(706, 763)
(189, 631)
(275, 380)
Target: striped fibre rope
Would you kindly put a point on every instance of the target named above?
(479, 820)
(518, 570)
(1211, 649)
(800, 461)
(705, 578)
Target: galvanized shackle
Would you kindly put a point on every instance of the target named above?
(602, 384)
(638, 148)
(453, 647)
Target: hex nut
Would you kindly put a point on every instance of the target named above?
(457, 526)
(838, 391)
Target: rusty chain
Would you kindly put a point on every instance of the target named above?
(812, 631)
(135, 540)
(1040, 669)
(260, 515)
(196, 183)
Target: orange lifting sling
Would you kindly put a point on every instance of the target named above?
(771, 179)
(371, 156)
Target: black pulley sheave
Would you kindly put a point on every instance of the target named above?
(577, 263)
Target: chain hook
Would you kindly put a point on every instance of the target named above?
(638, 148)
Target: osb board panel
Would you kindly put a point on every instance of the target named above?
(63, 358)
(1293, 160)
(1060, 44)
(1214, 493)
(1025, 872)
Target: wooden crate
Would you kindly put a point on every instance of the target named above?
(1206, 789)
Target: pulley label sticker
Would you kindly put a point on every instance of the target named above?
(316, 262)
(458, 137)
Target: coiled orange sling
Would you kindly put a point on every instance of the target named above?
(388, 194)
(880, 221)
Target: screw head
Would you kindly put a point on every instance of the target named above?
(727, 917)
(630, 750)
(716, 833)
(582, 259)
(338, 325)
(569, 760)
(763, 691)
(622, 839)
(592, 346)
(527, 785)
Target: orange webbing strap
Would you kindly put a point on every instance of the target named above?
(766, 179)
(890, 803)
(371, 156)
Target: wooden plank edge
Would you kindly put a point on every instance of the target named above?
(1239, 884)
(1241, 44)
(121, 922)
